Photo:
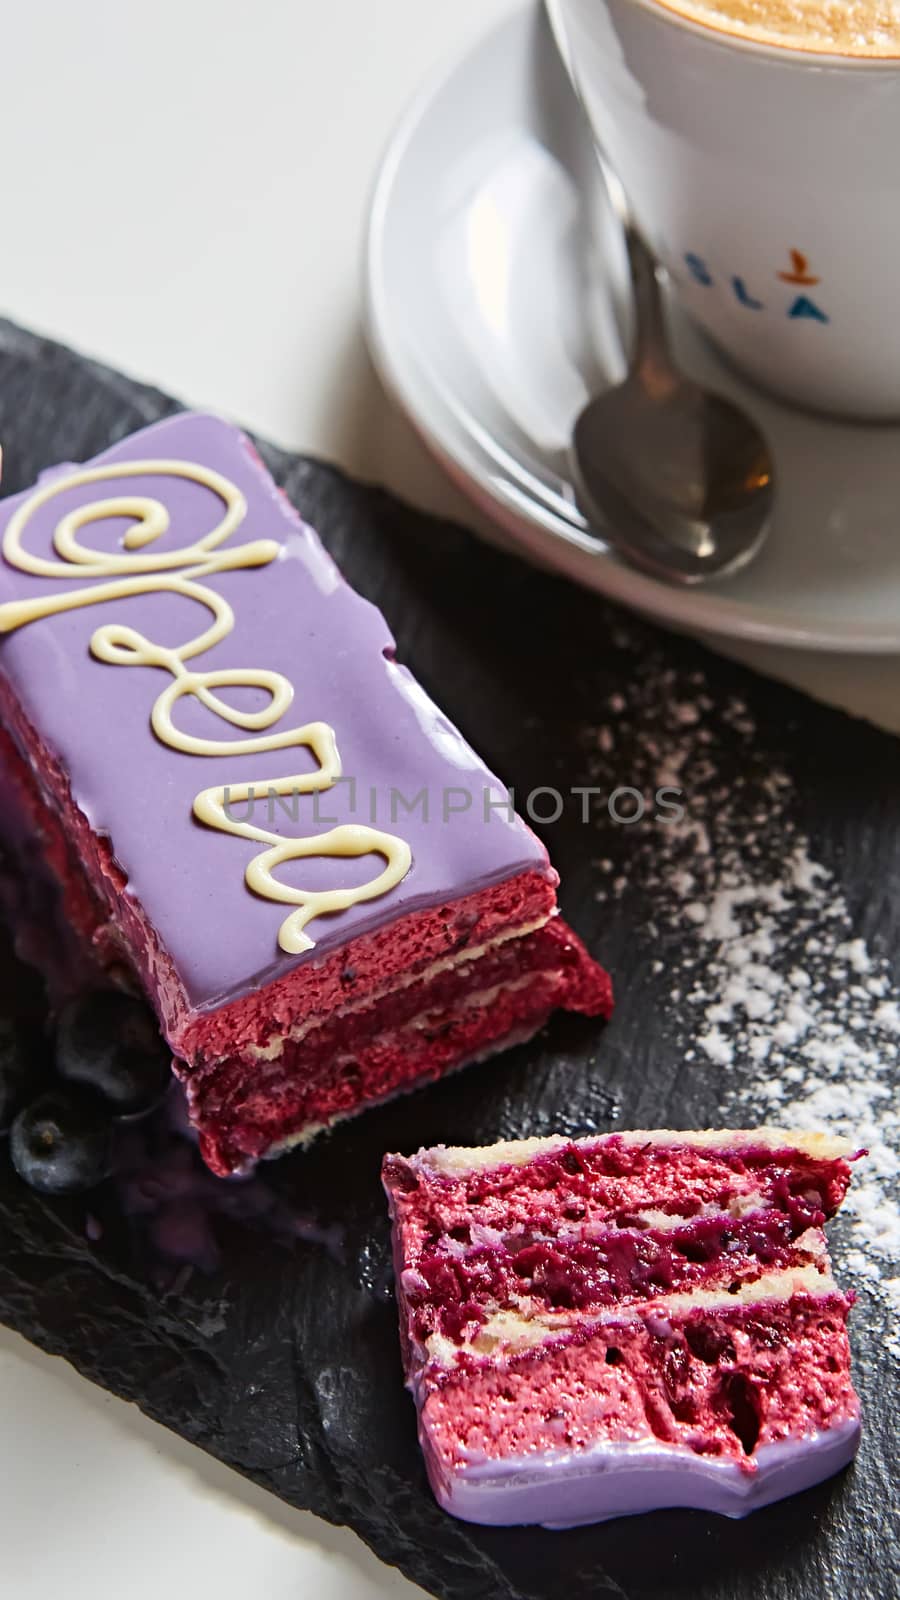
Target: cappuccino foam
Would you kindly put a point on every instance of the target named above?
(835, 27)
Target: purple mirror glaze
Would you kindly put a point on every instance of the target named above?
(298, 617)
(622, 1480)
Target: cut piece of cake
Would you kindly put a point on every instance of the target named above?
(599, 1327)
(250, 806)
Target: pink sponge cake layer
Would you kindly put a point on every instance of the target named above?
(599, 1327)
(251, 807)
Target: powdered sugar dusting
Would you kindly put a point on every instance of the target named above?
(788, 1005)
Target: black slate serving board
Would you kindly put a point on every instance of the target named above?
(282, 1360)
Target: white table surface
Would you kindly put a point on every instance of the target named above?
(185, 198)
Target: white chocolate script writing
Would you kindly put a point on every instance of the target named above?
(140, 570)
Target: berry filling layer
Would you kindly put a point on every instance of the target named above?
(451, 1287)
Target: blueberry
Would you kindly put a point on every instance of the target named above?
(17, 1071)
(62, 1143)
(110, 1042)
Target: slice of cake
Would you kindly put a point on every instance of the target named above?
(597, 1327)
(251, 807)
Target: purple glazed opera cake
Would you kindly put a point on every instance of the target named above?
(613, 1325)
(250, 806)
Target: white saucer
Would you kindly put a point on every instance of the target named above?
(494, 275)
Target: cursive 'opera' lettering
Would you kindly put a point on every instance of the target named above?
(139, 569)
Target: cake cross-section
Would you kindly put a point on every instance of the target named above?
(599, 1327)
(250, 806)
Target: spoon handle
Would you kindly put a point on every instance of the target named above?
(650, 342)
(650, 350)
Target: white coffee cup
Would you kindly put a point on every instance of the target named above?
(767, 179)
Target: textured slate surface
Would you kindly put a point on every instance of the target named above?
(282, 1360)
